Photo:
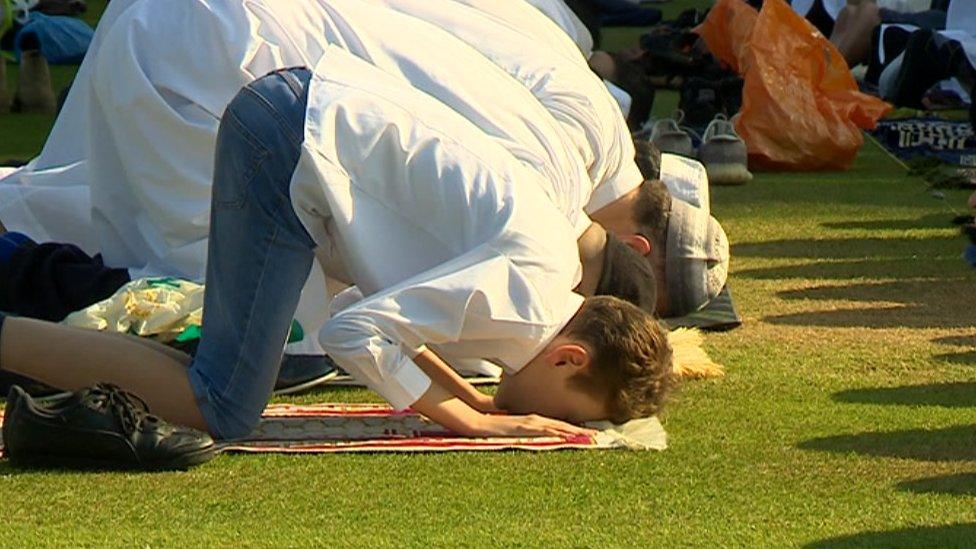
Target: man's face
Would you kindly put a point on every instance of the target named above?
(543, 387)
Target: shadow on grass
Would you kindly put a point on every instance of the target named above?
(949, 444)
(966, 358)
(891, 268)
(948, 395)
(953, 535)
(957, 341)
(962, 484)
(931, 221)
(842, 248)
(924, 304)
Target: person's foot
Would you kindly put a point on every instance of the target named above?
(34, 92)
(724, 154)
(302, 372)
(668, 137)
(100, 427)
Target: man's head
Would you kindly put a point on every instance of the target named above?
(684, 244)
(612, 361)
(627, 275)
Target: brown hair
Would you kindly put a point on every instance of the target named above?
(652, 211)
(630, 358)
(648, 158)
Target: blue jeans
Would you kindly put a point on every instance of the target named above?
(259, 253)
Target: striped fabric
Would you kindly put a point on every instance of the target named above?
(336, 428)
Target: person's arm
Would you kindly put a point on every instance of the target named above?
(439, 405)
(445, 376)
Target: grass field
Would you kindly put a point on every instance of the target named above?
(847, 418)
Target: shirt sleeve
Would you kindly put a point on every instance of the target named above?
(478, 305)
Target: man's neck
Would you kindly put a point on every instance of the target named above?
(592, 245)
(618, 216)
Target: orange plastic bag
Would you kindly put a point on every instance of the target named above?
(801, 108)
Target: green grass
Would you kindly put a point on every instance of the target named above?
(847, 418)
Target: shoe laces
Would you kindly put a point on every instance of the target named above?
(130, 410)
(721, 125)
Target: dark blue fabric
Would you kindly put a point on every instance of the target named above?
(951, 141)
(50, 281)
(9, 243)
(970, 254)
(63, 40)
(620, 13)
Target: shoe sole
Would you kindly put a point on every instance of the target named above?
(306, 385)
(47, 461)
(728, 174)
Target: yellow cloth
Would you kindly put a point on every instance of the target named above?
(161, 307)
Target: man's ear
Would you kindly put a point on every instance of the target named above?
(572, 355)
(638, 243)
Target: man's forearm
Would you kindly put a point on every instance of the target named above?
(442, 406)
(442, 374)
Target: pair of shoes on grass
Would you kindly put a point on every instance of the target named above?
(99, 427)
(721, 149)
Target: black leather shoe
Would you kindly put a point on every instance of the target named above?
(99, 427)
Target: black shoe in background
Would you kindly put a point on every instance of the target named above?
(98, 427)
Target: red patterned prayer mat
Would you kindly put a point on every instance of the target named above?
(338, 428)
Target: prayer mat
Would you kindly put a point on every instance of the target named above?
(343, 379)
(950, 141)
(337, 428)
(373, 428)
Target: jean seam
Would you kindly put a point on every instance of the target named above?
(250, 314)
(270, 109)
(261, 155)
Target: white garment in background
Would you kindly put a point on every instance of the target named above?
(561, 15)
(48, 198)
(623, 99)
(155, 105)
(568, 89)
(458, 248)
(960, 27)
(522, 14)
(833, 7)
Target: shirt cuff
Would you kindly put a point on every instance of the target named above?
(627, 179)
(406, 386)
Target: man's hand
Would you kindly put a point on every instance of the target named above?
(527, 426)
(443, 407)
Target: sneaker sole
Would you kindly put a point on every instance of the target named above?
(47, 461)
(306, 385)
(728, 174)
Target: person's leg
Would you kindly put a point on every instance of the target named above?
(259, 257)
(853, 30)
(260, 254)
(72, 358)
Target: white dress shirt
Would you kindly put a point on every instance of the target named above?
(458, 75)
(436, 222)
(133, 148)
(569, 90)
